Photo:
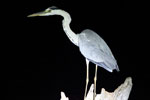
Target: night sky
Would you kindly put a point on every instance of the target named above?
(43, 62)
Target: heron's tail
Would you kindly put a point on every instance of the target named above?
(117, 68)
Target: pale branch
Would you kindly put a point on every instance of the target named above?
(121, 93)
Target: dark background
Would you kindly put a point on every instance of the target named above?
(42, 61)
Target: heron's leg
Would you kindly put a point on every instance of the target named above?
(95, 79)
(87, 77)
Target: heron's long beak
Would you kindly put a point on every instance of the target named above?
(37, 14)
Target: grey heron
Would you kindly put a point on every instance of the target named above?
(90, 44)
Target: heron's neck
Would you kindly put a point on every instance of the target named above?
(66, 26)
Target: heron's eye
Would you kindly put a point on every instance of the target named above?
(48, 10)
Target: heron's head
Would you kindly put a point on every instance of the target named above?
(47, 12)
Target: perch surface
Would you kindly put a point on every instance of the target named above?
(121, 93)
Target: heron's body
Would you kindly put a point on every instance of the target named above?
(91, 45)
(95, 49)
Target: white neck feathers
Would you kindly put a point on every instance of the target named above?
(66, 26)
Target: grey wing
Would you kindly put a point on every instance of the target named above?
(88, 39)
(94, 48)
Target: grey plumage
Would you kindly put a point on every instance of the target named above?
(95, 49)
